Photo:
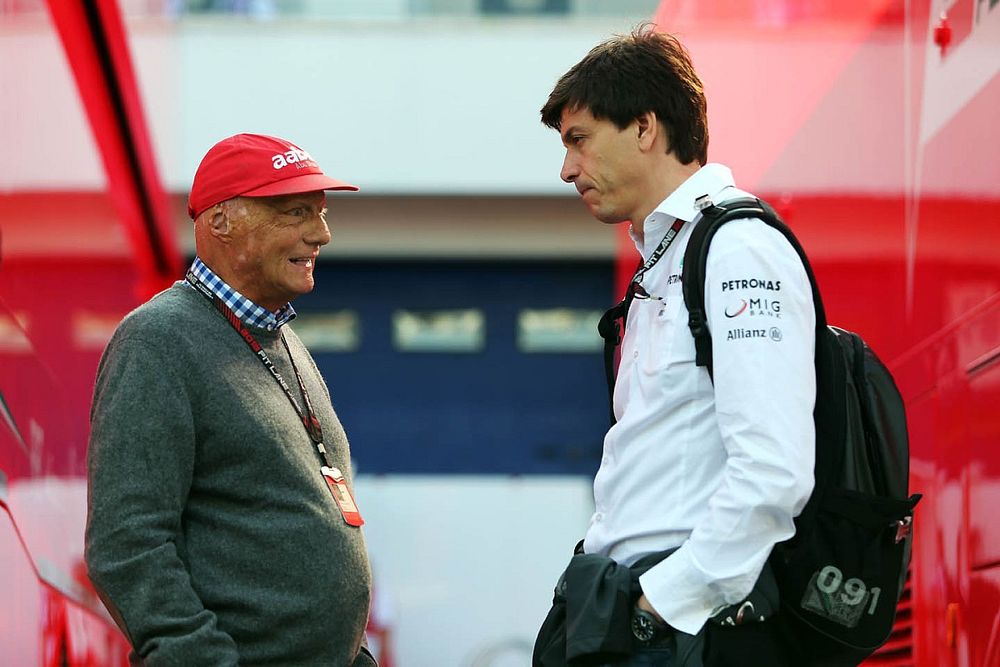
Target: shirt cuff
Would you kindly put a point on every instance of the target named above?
(677, 593)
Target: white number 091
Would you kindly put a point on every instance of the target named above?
(852, 592)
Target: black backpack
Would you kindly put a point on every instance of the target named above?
(840, 576)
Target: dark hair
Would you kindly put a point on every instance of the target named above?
(628, 75)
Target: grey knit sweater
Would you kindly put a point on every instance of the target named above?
(211, 534)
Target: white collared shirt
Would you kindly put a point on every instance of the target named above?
(719, 471)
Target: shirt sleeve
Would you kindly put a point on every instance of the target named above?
(140, 463)
(762, 320)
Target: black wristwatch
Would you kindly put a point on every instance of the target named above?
(646, 628)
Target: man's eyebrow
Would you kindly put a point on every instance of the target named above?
(572, 129)
(304, 199)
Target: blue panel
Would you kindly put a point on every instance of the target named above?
(499, 411)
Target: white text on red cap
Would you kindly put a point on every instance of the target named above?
(293, 155)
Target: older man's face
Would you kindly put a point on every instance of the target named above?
(275, 242)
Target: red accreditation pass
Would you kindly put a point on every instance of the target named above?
(345, 501)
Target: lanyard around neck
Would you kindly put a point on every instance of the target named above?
(307, 417)
(609, 328)
(661, 249)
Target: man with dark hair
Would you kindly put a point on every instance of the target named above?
(699, 480)
(221, 525)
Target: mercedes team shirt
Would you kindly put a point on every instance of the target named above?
(718, 471)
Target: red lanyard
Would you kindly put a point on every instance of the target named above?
(308, 417)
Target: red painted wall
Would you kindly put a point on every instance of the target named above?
(881, 150)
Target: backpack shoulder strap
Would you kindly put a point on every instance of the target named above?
(611, 331)
(696, 261)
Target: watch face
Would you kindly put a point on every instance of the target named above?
(642, 626)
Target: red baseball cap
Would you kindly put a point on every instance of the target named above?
(255, 165)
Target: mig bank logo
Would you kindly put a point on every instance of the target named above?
(737, 310)
(754, 308)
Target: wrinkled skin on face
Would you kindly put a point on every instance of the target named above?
(272, 246)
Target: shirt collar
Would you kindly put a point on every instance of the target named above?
(710, 180)
(246, 310)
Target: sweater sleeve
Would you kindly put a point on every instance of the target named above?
(140, 463)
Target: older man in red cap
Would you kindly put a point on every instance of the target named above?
(222, 527)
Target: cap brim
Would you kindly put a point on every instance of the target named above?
(299, 184)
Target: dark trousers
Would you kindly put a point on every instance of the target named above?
(677, 650)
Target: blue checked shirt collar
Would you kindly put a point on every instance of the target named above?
(246, 310)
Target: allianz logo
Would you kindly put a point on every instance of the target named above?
(292, 156)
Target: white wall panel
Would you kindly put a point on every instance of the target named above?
(45, 139)
(429, 106)
(469, 562)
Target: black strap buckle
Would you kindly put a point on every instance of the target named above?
(697, 324)
(608, 327)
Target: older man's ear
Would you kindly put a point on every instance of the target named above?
(219, 222)
(216, 222)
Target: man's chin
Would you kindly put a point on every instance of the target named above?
(300, 288)
(608, 217)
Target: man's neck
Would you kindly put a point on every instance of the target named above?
(228, 276)
(665, 183)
